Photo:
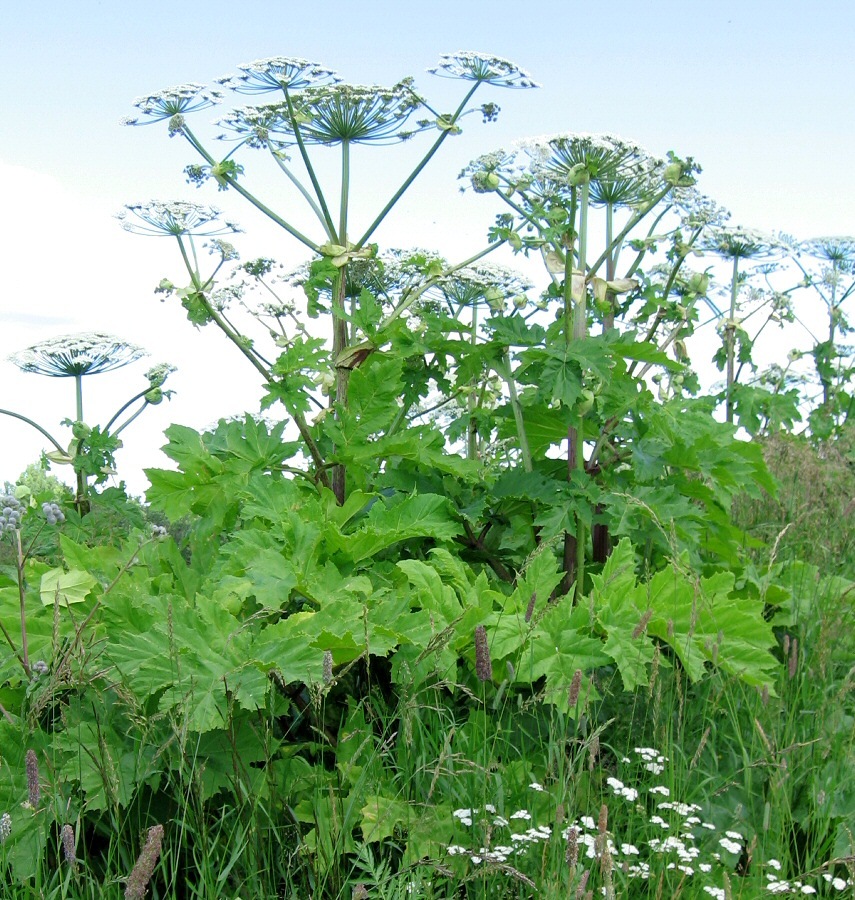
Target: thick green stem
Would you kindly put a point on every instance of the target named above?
(634, 220)
(730, 342)
(339, 323)
(19, 565)
(415, 173)
(304, 154)
(569, 262)
(130, 419)
(580, 332)
(78, 396)
(123, 407)
(306, 195)
(472, 428)
(611, 267)
(504, 369)
(267, 375)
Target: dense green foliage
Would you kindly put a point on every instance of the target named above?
(494, 582)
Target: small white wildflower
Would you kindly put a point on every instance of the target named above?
(705, 867)
(734, 835)
(488, 807)
(5, 826)
(658, 820)
(774, 864)
(535, 786)
(587, 822)
(716, 892)
(778, 887)
(838, 884)
(500, 821)
(730, 846)
(629, 850)
(807, 889)
(521, 814)
(660, 789)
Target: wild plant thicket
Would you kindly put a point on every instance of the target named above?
(493, 602)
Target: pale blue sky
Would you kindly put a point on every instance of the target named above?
(759, 92)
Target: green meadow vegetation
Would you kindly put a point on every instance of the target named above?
(488, 594)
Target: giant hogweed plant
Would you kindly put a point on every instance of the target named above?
(463, 458)
(828, 264)
(597, 209)
(91, 452)
(556, 433)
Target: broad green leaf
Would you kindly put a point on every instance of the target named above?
(418, 516)
(59, 586)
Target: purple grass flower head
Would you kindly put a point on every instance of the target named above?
(485, 68)
(137, 886)
(285, 73)
(34, 790)
(175, 218)
(69, 849)
(175, 101)
(483, 663)
(72, 355)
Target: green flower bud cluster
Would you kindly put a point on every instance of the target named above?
(53, 514)
(11, 513)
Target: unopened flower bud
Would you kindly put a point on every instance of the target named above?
(586, 402)
(81, 430)
(578, 175)
(699, 283)
(673, 173)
